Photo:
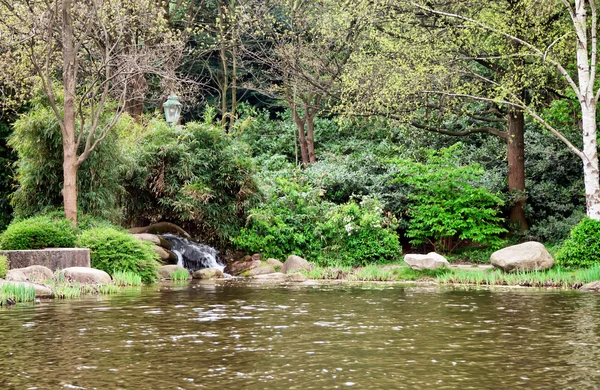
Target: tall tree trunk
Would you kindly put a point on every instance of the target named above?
(232, 118)
(301, 137)
(136, 89)
(223, 52)
(516, 167)
(591, 176)
(310, 137)
(69, 191)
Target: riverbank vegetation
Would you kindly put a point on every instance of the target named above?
(315, 129)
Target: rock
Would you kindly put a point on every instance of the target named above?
(593, 286)
(166, 256)
(86, 275)
(166, 270)
(160, 228)
(208, 273)
(153, 238)
(40, 290)
(274, 263)
(296, 278)
(241, 266)
(295, 263)
(33, 273)
(528, 256)
(16, 275)
(257, 256)
(262, 269)
(429, 261)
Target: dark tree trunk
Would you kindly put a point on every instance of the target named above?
(310, 138)
(516, 167)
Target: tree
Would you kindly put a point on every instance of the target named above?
(99, 47)
(584, 28)
(432, 71)
(303, 47)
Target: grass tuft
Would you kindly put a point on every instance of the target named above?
(126, 278)
(180, 275)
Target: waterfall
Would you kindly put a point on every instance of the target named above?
(192, 255)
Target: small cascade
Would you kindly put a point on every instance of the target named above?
(192, 255)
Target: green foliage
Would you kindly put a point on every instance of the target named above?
(37, 139)
(112, 251)
(296, 220)
(447, 206)
(195, 176)
(357, 234)
(285, 223)
(11, 293)
(180, 275)
(37, 233)
(126, 278)
(3, 266)
(7, 160)
(582, 248)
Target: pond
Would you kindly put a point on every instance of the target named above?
(233, 336)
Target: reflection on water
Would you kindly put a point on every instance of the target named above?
(375, 337)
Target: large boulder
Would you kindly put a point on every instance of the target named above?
(593, 286)
(429, 261)
(243, 265)
(262, 269)
(295, 263)
(33, 273)
(166, 256)
(40, 290)
(86, 275)
(274, 263)
(160, 228)
(166, 270)
(528, 256)
(153, 238)
(208, 273)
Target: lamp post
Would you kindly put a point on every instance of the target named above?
(172, 109)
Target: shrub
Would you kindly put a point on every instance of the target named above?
(195, 176)
(3, 266)
(37, 140)
(447, 206)
(582, 248)
(357, 235)
(296, 220)
(38, 232)
(113, 251)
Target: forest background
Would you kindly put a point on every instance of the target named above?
(343, 131)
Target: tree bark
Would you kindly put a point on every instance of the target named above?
(586, 73)
(310, 138)
(516, 167)
(301, 137)
(223, 53)
(69, 191)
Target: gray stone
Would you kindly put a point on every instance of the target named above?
(241, 266)
(429, 261)
(153, 238)
(274, 277)
(528, 256)
(33, 273)
(295, 263)
(208, 273)
(257, 256)
(86, 275)
(166, 256)
(262, 269)
(274, 263)
(52, 258)
(296, 278)
(593, 286)
(166, 270)
(16, 275)
(40, 290)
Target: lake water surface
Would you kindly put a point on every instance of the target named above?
(234, 336)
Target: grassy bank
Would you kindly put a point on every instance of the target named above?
(556, 277)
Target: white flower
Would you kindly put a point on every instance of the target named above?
(348, 228)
